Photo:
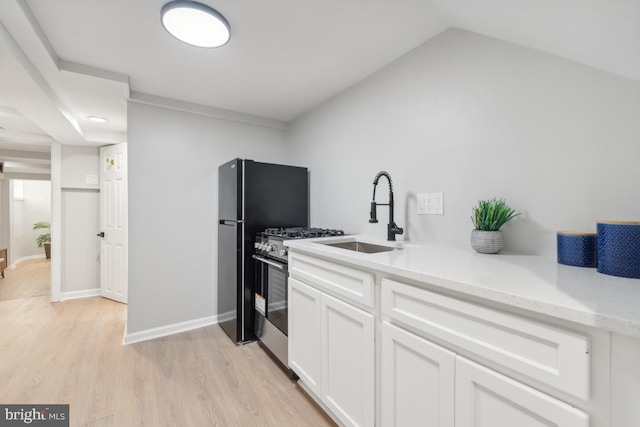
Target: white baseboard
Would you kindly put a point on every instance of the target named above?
(226, 316)
(164, 331)
(25, 258)
(79, 294)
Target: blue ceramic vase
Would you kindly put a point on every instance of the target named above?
(619, 248)
(577, 249)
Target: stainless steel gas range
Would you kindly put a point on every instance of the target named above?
(271, 271)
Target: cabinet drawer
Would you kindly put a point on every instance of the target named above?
(555, 356)
(339, 280)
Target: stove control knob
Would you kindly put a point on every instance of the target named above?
(273, 248)
(256, 245)
(283, 252)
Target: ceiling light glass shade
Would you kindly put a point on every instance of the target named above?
(97, 119)
(195, 23)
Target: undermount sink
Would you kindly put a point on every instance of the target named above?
(368, 248)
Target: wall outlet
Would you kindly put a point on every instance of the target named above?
(430, 204)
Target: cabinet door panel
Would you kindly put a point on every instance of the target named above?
(304, 333)
(417, 381)
(556, 356)
(347, 337)
(485, 398)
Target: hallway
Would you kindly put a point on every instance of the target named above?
(30, 278)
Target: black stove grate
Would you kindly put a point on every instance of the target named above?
(303, 232)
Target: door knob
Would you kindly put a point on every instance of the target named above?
(100, 234)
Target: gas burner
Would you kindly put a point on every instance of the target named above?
(302, 232)
(273, 231)
(295, 232)
(269, 243)
(307, 233)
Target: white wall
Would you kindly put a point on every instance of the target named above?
(78, 164)
(5, 223)
(173, 180)
(475, 117)
(35, 207)
(80, 220)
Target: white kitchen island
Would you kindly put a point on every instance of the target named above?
(442, 336)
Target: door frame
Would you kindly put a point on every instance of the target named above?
(56, 221)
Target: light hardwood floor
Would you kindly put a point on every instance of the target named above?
(71, 352)
(28, 279)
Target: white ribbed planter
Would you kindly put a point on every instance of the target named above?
(487, 242)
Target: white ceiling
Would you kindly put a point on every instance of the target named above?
(67, 59)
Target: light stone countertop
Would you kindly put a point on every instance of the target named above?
(535, 283)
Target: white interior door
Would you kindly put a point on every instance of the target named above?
(113, 222)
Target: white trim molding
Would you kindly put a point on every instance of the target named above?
(204, 110)
(164, 331)
(25, 258)
(80, 294)
(223, 317)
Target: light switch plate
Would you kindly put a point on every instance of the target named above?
(430, 204)
(421, 203)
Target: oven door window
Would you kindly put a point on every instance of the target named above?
(272, 286)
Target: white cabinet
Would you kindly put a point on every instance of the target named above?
(424, 384)
(485, 398)
(625, 381)
(350, 284)
(348, 361)
(331, 348)
(556, 356)
(417, 381)
(443, 361)
(304, 333)
(425, 381)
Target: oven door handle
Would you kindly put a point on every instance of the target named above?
(266, 261)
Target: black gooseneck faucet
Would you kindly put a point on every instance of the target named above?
(392, 228)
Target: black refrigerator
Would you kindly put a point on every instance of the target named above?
(252, 196)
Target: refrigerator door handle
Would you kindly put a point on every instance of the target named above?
(231, 222)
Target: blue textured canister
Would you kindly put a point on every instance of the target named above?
(577, 249)
(619, 248)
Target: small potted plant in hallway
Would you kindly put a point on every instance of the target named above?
(44, 240)
(488, 216)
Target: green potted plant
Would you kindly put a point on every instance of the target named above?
(488, 216)
(44, 240)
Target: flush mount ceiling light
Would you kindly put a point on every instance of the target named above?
(195, 23)
(97, 119)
